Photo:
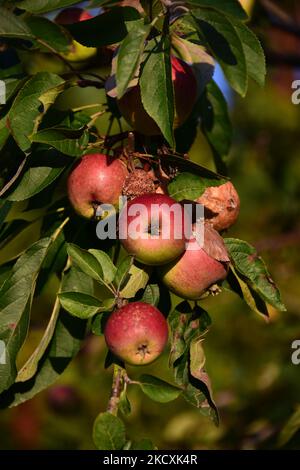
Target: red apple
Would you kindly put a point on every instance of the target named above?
(136, 333)
(72, 15)
(96, 179)
(154, 228)
(185, 94)
(198, 268)
(222, 205)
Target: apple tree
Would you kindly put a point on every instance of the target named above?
(58, 167)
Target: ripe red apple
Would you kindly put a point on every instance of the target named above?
(136, 333)
(222, 205)
(79, 52)
(72, 15)
(154, 228)
(198, 268)
(96, 179)
(185, 94)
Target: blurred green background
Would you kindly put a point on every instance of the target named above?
(256, 386)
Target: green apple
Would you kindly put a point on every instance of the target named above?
(79, 52)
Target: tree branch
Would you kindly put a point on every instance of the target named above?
(116, 390)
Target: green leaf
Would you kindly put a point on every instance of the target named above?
(157, 89)
(85, 261)
(122, 274)
(124, 404)
(5, 207)
(30, 367)
(231, 7)
(67, 141)
(136, 279)
(4, 133)
(255, 57)
(26, 111)
(44, 6)
(109, 432)
(224, 41)
(151, 295)
(184, 164)
(12, 85)
(15, 304)
(215, 120)
(50, 33)
(190, 186)
(179, 320)
(80, 305)
(203, 63)
(65, 343)
(158, 390)
(13, 26)
(290, 428)
(254, 271)
(44, 167)
(98, 321)
(186, 357)
(106, 29)
(197, 360)
(129, 54)
(108, 268)
(246, 293)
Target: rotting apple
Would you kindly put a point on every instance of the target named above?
(137, 183)
(96, 179)
(154, 228)
(221, 205)
(137, 333)
(79, 52)
(198, 268)
(185, 95)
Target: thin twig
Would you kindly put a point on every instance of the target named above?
(14, 178)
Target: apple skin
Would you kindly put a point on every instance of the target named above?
(194, 272)
(96, 179)
(185, 94)
(154, 249)
(137, 333)
(79, 53)
(222, 205)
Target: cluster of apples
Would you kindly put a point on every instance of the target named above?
(138, 332)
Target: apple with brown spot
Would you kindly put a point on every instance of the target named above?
(221, 205)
